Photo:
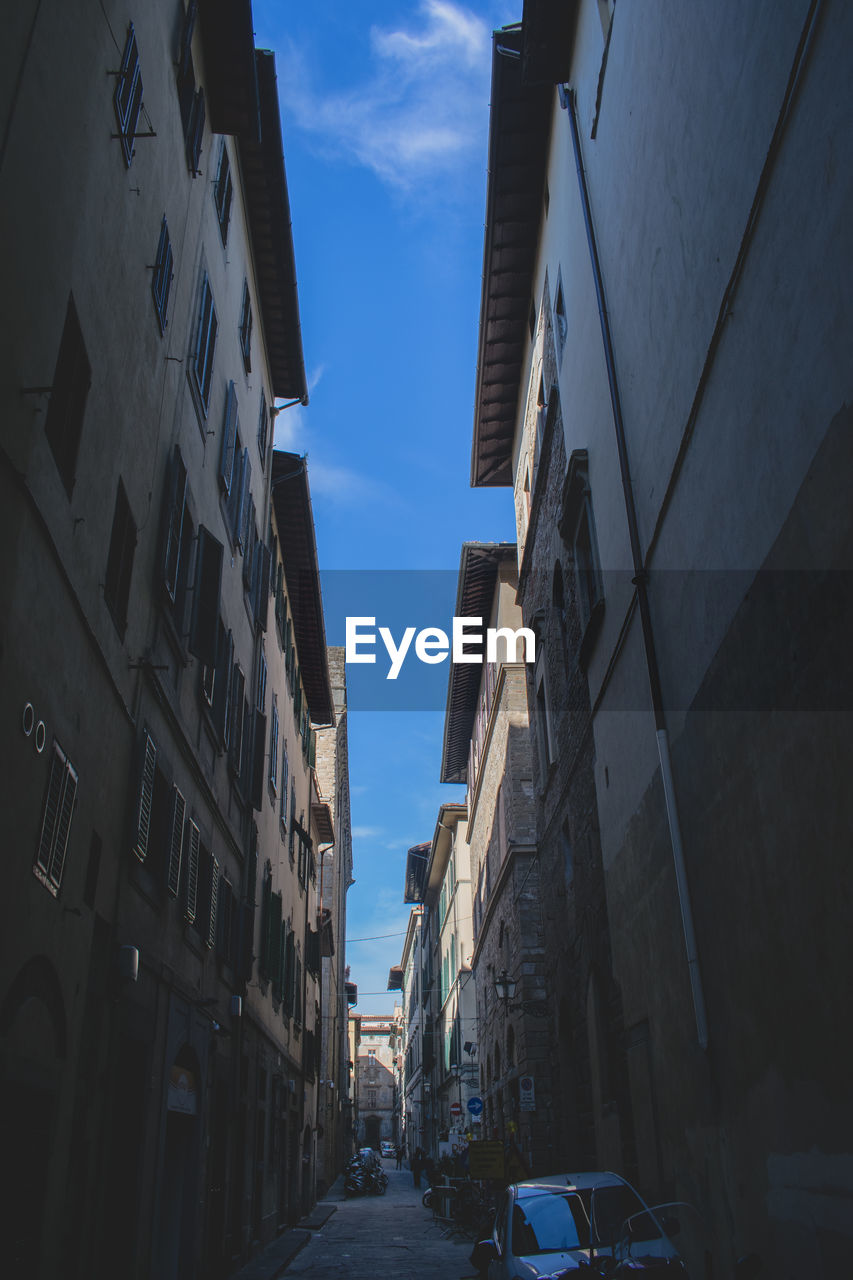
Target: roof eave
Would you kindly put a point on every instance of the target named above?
(292, 502)
(519, 131)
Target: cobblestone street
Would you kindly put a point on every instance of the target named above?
(392, 1237)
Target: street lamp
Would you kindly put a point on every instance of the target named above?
(505, 988)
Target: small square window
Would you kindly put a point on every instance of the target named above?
(127, 97)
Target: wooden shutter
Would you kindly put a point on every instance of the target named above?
(195, 133)
(205, 612)
(229, 437)
(258, 760)
(261, 593)
(146, 798)
(176, 843)
(176, 491)
(245, 947)
(193, 849)
(210, 940)
(243, 502)
(222, 684)
(56, 820)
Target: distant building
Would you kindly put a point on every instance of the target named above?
(487, 746)
(375, 1081)
(335, 879)
(447, 898)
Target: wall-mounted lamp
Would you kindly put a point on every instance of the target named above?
(505, 988)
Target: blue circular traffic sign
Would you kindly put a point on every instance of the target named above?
(475, 1106)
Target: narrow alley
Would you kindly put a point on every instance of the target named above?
(391, 1235)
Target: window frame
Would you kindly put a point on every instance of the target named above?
(223, 192)
(203, 348)
(127, 96)
(57, 816)
(162, 277)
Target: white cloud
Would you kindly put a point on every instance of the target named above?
(366, 833)
(421, 112)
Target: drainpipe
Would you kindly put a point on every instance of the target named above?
(640, 581)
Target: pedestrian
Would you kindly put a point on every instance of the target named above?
(417, 1163)
(399, 1156)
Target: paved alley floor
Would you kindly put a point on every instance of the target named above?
(390, 1237)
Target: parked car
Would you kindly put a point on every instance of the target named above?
(387, 1149)
(563, 1221)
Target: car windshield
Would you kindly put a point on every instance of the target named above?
(611, 1206)
(551, 1222)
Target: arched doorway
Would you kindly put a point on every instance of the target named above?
(178, 1190)
(372, 1131)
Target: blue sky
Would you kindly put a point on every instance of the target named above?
(385, 123)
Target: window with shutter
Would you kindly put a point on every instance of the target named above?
(246, 328)
(120, 561)
(200, 369)
(260, 738)
(176, 498)
(161, 278)
(222, 684)
(238, 688)
(290, 848)
(195, 132)
(242, 512)
(230, 427)
(278, 930)
(250, 548)
(146, 798)
(192, 870)
(225, 933)
(223, 190)
(186, 74)
(260, 585)
(288, 972)
(205, 612)
(282, 815)
(127, 96)
(210, 940)
(261, 685)
(176, 843)
(56, 821)
(263, 433)
(72, 378)
(273, 769)
(297, 992)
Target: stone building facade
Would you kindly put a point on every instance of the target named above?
(163, 656)
(375, 1081)
(656, 291)
(335, 878)
(487, 745)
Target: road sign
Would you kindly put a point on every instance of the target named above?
(475, 1106)
(456, 1108)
